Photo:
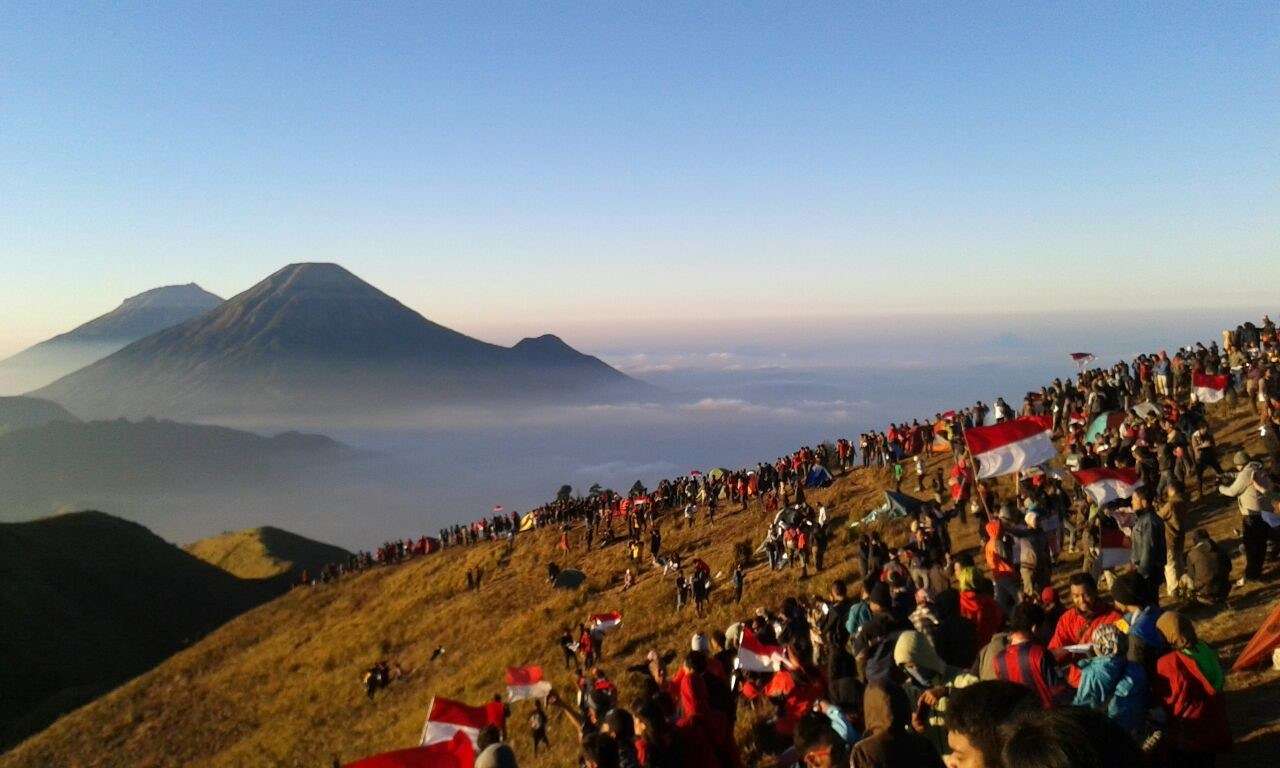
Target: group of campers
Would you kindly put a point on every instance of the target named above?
(938, 657)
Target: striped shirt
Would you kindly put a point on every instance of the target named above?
(1030, 664)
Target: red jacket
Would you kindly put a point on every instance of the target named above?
(983, 611)
(1074, 629)
(1197, 713)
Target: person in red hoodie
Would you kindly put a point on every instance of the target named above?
(978, 607)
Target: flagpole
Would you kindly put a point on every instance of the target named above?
(431, 706)
(976, 482)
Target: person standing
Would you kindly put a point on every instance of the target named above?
(739, 580)
(538, 727)
(1173, 513)
(1148, 552)
(1250, 489)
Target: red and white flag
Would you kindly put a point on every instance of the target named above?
(755, 656)
(497, 509)
(605, 622)
(1106, 485)
(447, 718)
(458, 752)
(1210, 389)
(1001, 449)
(526, 683)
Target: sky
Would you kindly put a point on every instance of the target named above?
(599, 169)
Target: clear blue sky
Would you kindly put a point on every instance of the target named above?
(509, 169)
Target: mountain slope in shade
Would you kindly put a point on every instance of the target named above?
(27, 412)
(89, 600)
(315, 339)
(136, 317)
(264, 553)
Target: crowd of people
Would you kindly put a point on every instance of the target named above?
(935, 656)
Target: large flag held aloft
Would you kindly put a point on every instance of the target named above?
(458, 752)
(1010, 446)
(1210, 389)
(605, 622)
(755, 656)
(1105, 485)
(526, 683)
(447, 718)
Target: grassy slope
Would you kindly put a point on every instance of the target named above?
(279, 685)
(264, 553)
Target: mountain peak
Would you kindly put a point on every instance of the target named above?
(189, 295)
(545, 341)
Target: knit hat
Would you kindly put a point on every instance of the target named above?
(1048, 596)
(880, 596)
(699, 643)
(496, 756)
(1106, 640)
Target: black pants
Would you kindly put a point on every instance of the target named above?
(1256, 531)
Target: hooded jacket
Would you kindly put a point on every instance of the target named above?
(1249, 498)
(888, 743)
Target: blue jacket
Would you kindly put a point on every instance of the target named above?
(1148, 553)
(1114, 685)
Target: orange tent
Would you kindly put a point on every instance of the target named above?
(1264, 640)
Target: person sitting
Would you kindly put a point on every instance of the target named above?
(1195, 711)
(1026, 661)
(974, 717)
(1112, 684)
(1208, 569)
(888, 742)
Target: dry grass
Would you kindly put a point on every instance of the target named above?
(278, 686)
(264, 553)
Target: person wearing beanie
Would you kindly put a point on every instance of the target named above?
(1111, 683)
(1250, 489)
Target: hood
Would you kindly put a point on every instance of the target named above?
(914, 648)
(885, 709)
(993, 528)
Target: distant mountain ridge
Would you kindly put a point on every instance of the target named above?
(315, 339)
(136, 317)
(89, 600)
(27, 412)
(108, 464)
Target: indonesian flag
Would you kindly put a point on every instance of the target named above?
(497, 509)
(1105, 485)
(605, 622)
(1210, 389)
(526, 683)
(1010, 446)
(1081, 357)
(447, 718)
(755, 656)
(457, 752)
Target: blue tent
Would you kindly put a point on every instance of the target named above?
(818, 477)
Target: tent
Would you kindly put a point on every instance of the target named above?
(717, 473)
(818, 477)
(570, 578)
(528, 522)
(1266, 639)
(896, 506)
(1104, 421)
